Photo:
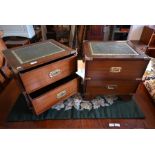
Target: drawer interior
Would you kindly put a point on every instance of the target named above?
(48, 88)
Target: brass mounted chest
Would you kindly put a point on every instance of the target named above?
(45, 71)
(112, 68)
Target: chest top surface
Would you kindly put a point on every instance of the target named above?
(28, 56)
(111, 49)
(37, 51)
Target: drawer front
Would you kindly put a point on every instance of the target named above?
(42, 76)
(45, 101)
(96, 87)
(115, 69)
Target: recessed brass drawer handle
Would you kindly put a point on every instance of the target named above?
(115, 69)
(61, 94)
(111, 87)
(54, 73)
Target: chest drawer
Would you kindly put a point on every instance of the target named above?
(43, 99)
(115, 87)
(115, 69)
(42, 76)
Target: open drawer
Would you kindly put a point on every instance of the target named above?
(47, 74)
(44, 98)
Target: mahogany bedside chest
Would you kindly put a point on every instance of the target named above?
(45, 71)
(112, 68)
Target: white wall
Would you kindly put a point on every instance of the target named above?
(17, 30)
(135, 32)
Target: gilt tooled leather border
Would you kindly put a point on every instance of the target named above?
(33, 59)
(92, 51)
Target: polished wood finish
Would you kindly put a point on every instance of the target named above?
(16, 66)
(105, 71)
(2, 47)
(46, 100)
(17, 42)
(146, 35)
(130, 69)
(151, 47)
(81, 35)
(146, 43)
(5, 73)
(138, 45)
(66, 66)
(142, 98)
(151, 52)
(152, 42)
(95, 32)
(110, 87)
(41, 81)
(1, 79)
(8, 97)
(5, 69)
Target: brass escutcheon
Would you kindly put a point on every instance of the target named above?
(54, 73)
(61, 94)
(115, 69)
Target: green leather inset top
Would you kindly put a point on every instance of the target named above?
(111, 48)
(34, 52)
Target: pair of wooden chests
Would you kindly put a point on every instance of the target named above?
(46, 71)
